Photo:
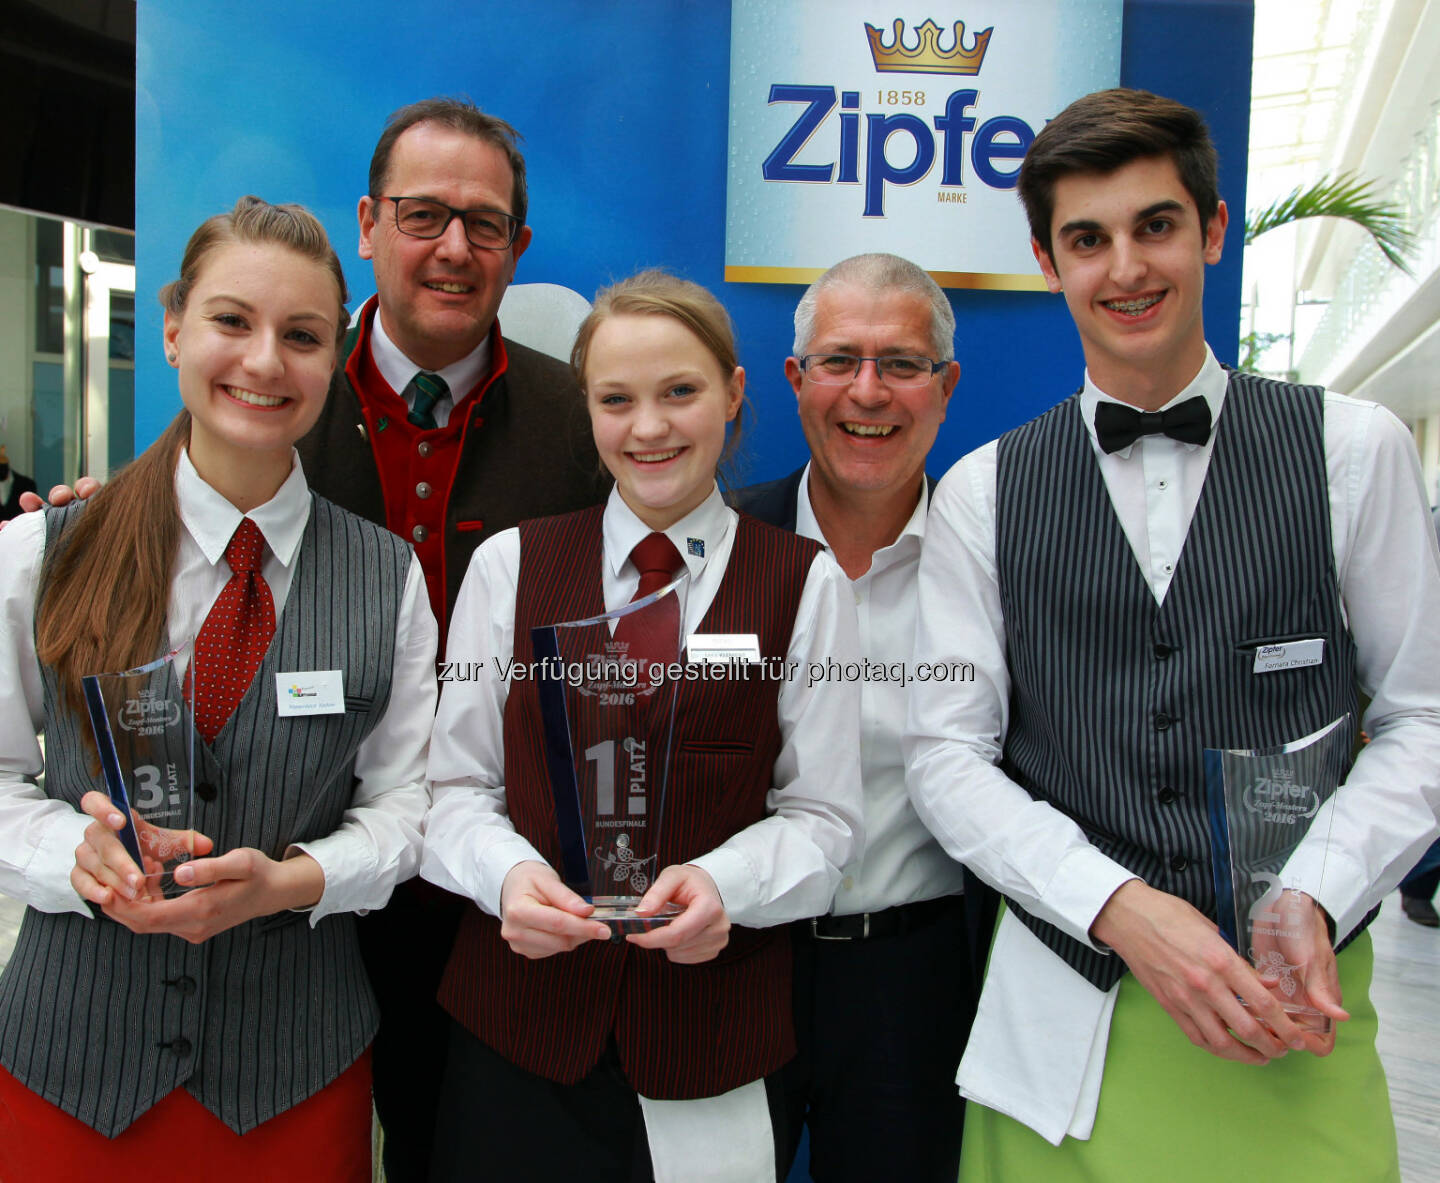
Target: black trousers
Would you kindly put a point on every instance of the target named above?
(497, 1121)
(405, 946)
(881, 1025)
(1423, 880)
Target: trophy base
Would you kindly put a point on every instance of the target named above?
(1307, 1018)
(618, 911)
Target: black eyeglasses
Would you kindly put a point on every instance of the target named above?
(836, 369)
(489, 229)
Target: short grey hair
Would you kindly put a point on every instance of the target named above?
(880, 272)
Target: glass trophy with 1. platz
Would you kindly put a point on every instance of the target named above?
(1264, 803)
(607, 692)
(144, 725)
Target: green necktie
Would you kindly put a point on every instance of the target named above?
(428, 390)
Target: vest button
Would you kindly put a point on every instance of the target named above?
(206, 791)
(1167, 795)
(181, 1047)
(424, 448)
(420, 533)
(185, 984)
(1163, 721)
(423, 490)
(1179, 864)
(1162, 650)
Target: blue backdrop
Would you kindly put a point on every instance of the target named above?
(624, 108)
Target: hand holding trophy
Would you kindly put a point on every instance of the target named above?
(143, 720)
(1264, 805)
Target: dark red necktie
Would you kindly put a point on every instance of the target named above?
(655, 635)
(234, 637)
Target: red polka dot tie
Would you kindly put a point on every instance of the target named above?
(234, 637)
(656, 636)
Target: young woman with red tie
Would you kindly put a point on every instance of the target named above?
(225, 1030)
(574, 1054)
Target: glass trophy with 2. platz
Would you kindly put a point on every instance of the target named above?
(1264, 805)
(144, 725)
(607, 690)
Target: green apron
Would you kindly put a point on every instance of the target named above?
(1171, 1111)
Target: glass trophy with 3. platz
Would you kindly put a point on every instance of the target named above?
(143, 720)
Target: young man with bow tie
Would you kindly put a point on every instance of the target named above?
(1112, 568)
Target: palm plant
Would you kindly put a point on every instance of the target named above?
(1344, 196)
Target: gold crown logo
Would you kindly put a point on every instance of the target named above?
(927, 57)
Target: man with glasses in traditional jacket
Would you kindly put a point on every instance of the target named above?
(444, 431)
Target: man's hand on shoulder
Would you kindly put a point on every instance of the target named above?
(1179, 956)
(85, 487)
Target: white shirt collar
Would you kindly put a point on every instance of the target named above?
(1209, 384)
(696, 536)
(211, 520)
(398, 370)
(807, 526)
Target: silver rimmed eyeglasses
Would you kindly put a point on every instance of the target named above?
(896, 369)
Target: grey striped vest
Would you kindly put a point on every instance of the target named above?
(1113, 697)
(104, 1023)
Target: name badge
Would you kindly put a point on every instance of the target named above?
(1289, 655)
(310, 692)
(723, 648)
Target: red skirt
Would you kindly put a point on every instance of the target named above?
(325, 1139)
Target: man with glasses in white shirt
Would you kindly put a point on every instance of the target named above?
(884, 984)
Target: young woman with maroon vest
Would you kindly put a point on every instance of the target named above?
(575, 1055)
(224, 1031)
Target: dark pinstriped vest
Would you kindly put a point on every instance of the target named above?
(681, 1030)
(1113, 697)
(104, 1023)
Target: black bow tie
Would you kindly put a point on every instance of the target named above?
(1118, 426)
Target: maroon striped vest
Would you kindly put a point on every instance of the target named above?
(682, 1031)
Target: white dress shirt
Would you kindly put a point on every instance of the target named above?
(376, 844)
(902, 863)
(1037, 1050)
(781, 868)
(398, 370)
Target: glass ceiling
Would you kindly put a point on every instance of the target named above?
(1308, 54)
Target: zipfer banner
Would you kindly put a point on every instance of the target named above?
(855, 127)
